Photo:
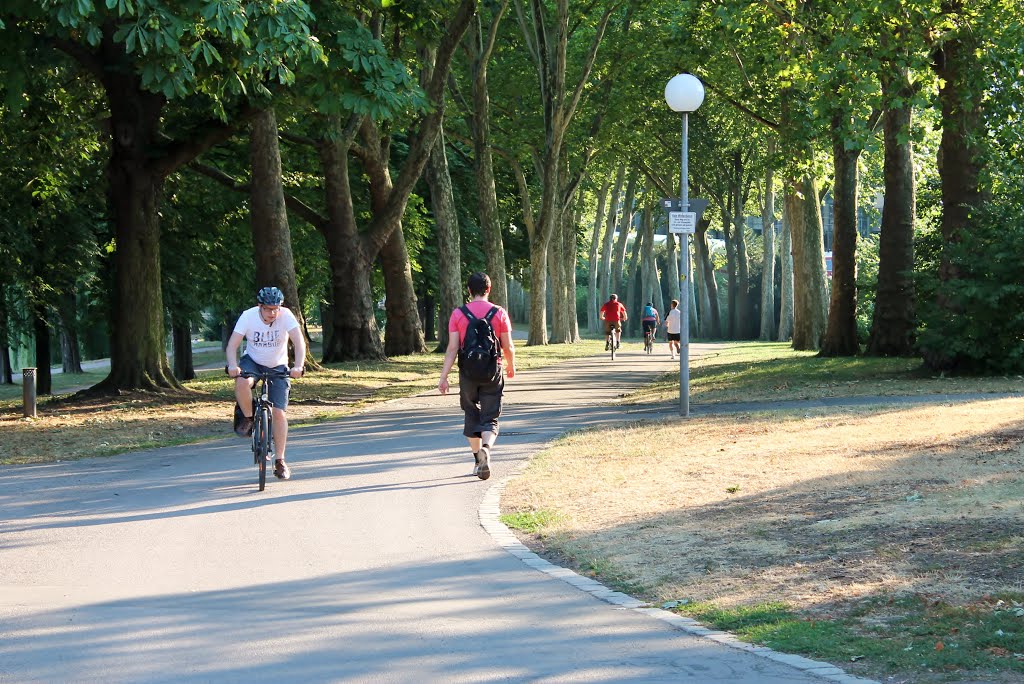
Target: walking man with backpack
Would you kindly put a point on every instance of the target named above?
(479, 334)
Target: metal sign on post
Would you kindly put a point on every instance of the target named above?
(683, 222)
(697, 205)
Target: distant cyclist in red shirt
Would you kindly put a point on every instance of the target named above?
(613, 314)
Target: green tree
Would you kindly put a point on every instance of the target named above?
(207, 57)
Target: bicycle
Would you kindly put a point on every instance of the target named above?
(262, 420)
(612, 340)
(649, 341)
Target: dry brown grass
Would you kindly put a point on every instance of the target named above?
(74, 427)
(811, 508)
(70, 427)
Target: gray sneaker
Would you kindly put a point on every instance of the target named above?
(476, 462)
(483, 470)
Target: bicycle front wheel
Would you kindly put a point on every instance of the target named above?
(262, 430)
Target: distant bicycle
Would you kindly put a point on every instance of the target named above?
(262, 421)
(649, 341)
(612, 341)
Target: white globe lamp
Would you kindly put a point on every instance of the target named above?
(684, 93)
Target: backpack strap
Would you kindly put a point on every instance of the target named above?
(467, 313)
(490, 318)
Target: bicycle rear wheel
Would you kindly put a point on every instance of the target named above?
(262, 444)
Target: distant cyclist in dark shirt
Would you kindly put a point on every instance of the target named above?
(651, 319)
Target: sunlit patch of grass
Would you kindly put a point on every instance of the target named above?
(530, 521)
(12, 395)
(906, 635)
(758, 371)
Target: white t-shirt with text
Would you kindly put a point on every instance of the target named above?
(265, 344)
(672, 321)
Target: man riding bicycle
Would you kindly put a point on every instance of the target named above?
(266, 329)
(650, 320)
(613, 313)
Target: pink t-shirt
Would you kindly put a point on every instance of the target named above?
(459, 323)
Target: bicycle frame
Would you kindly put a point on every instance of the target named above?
(263, 420)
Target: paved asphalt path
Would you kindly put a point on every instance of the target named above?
(370, 565)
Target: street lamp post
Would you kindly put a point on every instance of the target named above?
(684, 93)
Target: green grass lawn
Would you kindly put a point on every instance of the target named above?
(760, 371)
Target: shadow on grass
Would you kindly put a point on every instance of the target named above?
(816, 538)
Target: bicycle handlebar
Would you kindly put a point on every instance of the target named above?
(269, 374)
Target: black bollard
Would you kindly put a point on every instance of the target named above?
(28, 387)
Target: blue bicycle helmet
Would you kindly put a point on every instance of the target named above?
(270, 296)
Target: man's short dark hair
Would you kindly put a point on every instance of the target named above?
(613, 297)
(479, 284)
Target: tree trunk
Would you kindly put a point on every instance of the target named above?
(449, 255)
(625, 224)
(960, 159)
(71, 358)
(483, 167)
(713, 327)
(648, 267)
(732, 282)
(633, 288)
(181, 334)
(747, 322)
(841, 333)
(6, 372)
(701, 304)
(138, 359)
(44, 378)
(593, 320)
(354, 330)
(810, 306)
(673, 265)
(570, 249)
(768, 262)
(271, 235)
(428, 312)
(744, 305)
(404, 332)
(658, 270)
(691, 291)
(538, 292)
(892, 326)
(605, 275)
(558, 291)
(356, 333)
(786, 288)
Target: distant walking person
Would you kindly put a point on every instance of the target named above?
(672, 329)
(613, 314)
(266, 329)
(479, 334)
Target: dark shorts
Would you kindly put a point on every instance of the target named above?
(481, 402)
(673, 337)
(279, 388)
(649, 325)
